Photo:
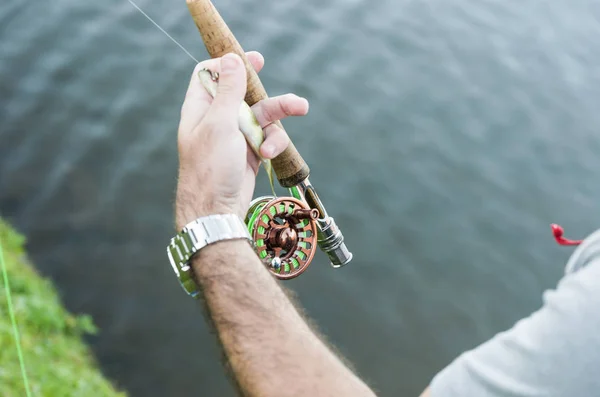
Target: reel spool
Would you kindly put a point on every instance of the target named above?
(284, 230)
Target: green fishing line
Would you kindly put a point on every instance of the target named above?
(13, 320)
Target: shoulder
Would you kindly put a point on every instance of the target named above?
(578, 291)
(550, 353)
(586, 252)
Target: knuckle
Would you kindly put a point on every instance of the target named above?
(267, 113)
(224, 88)
(284, 104)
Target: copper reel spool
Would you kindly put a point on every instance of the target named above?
(285, 234)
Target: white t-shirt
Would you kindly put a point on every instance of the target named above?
(555, 352)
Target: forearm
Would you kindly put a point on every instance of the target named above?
(270, 348)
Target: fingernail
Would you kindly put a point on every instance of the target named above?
(306, 101)
(268, 149)
(229, 62)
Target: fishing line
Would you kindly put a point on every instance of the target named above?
(162, 30)
(13, 320)
(11, 313)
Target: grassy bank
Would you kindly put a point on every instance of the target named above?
(57, 361)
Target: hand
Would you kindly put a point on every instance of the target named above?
(217, 169)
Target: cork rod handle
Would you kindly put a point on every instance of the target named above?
(289, 166)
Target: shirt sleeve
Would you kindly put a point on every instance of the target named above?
(554, 352)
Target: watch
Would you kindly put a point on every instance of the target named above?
(197, 235)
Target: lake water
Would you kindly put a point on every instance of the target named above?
(444, 136)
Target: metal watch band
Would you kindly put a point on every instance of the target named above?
(197, 235)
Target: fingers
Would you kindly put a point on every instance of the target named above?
(195, 88)
(275, 143)
(196, 91)
(197, 100)
(231, 89)
(214, 64)
(253, 161)
(196, 103)
(256, 60)
(270, 110)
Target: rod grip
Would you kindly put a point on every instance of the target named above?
(290, 167)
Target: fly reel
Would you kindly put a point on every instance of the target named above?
(284, 231)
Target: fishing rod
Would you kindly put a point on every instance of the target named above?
(284, 229)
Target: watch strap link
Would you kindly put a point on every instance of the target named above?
(197, 235)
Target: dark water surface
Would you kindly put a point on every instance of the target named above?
(444, 136)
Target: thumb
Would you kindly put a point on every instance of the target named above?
(232, 86)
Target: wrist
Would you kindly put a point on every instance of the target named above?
(197, 236)
(220, 258)
(189, 207)
(185, 214)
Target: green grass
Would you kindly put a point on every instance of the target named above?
(58, 363)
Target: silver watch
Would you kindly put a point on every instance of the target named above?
(197, 235)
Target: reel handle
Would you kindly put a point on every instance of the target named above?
(289, 166)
